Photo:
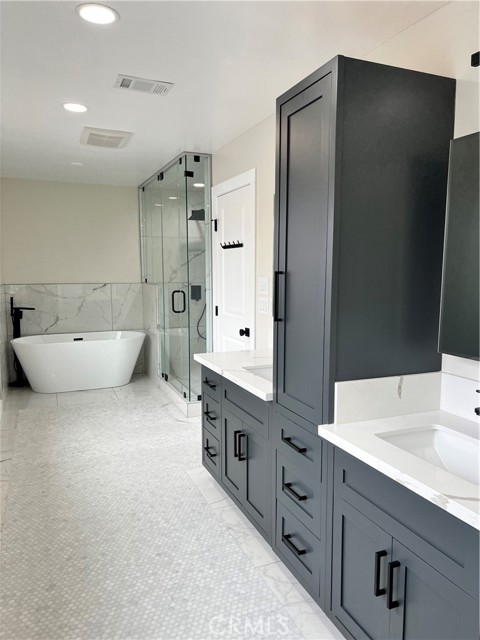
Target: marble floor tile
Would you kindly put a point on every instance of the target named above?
(172, 484)
(312, 622)
(3, 500)
(226, 502)
(257, 550)
(86, 397)
(246, 536)
(9, 418)
(284, 584)
(7, 440)
(5, 465)
(27, 399)
(208, 487)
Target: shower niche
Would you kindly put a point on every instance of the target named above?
(175, 236)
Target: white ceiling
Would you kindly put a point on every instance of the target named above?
(228, 60)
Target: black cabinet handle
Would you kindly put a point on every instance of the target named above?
(209, 416)
(241, 456)
(377, 591)
(391, 603)
(276, 294)
(184, 300)
(288, 440)
(287, 486)
(209, 384)
(245, 332)
(207, 451)
(286, 540)
(235, 443)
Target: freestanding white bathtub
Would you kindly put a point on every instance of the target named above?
(78, 361)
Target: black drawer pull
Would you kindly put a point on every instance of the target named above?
(287, 486)
(391, 603)
(241, 456)
(209, 416)
(207, 451)
(276, 295)
(377, 591)
(288, 440)
(209, 384)
(286, 540)
(235, 443)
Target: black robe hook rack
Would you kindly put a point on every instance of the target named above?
(232, 245)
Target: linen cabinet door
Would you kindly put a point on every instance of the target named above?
(361, 552)
(257, 455)
(233, 465)
(302, 215)
(425, 604)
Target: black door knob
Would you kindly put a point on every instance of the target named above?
(245, 332)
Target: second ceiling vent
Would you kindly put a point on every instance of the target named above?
(131, 83)
(106, 138)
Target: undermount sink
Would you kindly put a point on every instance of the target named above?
(261, 370)
(446, 449)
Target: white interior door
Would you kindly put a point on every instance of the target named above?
(233, 224)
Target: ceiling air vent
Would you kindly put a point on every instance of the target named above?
(106, 138)
(141, 84)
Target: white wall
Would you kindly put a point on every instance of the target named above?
(59, 232)
(440, 44)
(255, 149)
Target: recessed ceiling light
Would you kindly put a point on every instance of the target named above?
(77, 164)
(97, 13)
(198, 184)
(172, 198)
(157, 204)
(75, 107)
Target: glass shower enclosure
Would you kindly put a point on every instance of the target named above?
(175, 236)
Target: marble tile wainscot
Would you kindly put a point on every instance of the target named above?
(68, 308)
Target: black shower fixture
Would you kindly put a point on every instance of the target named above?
(198, 214)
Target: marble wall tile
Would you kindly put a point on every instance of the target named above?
(127, 306)
(70, 308)
(64, 308)
(196, 260)
(156, 258)
(4, 377)
(149, 302)
(151, 356)
(140, 364)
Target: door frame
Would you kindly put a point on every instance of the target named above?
(227, 186)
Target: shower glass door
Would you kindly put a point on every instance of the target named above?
(176, 257)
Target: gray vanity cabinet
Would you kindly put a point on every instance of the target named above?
(357, 590)
(401, 568)
(236, 447)
(381, 589)
(246, 470)
(361, 177)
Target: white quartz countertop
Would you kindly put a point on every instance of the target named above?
(457, 496)
(231, 365)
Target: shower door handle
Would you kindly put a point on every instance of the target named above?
(184, 300)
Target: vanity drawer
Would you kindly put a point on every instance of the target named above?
(299, 446)
(211, 453)
(211, 415)
(246, 406)
(211, 384)
(299, 548)
(300, 493)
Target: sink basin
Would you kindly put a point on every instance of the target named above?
(446, 449)
(261, 370)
